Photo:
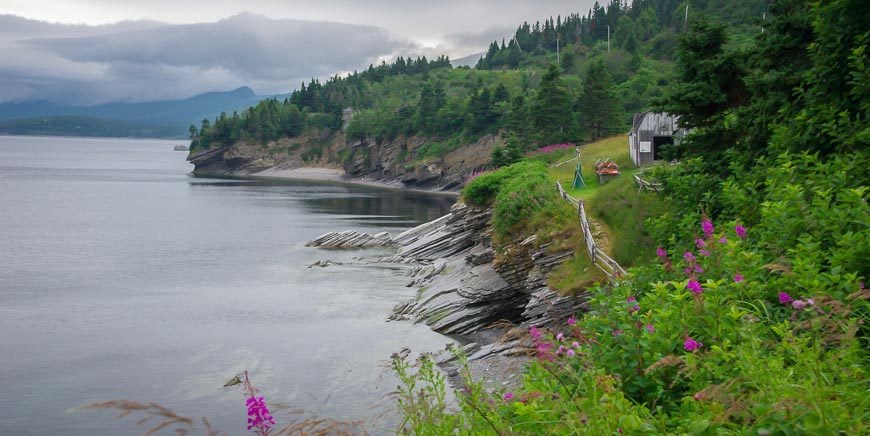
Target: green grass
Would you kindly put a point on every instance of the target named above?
(615, 148)
(616, 205)
(623, 210)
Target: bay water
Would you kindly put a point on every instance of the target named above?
(123, 277)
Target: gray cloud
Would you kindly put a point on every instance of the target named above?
(140, 61)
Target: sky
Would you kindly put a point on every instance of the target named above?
(87, 52)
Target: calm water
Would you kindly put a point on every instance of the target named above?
(123, 277)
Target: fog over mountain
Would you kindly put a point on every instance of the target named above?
(145, 61)
(164, 49)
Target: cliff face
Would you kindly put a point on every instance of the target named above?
(467, 287)
(392, 161)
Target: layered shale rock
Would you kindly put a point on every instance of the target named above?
(351, 239)
(471, 287)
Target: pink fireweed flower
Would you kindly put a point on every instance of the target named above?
(689, 256)
(738, 278)
(650, 328)
(697, 268)
(740, 231)
(785, 298)
(543, 350)
(535, 333)
(691, 344)
(560, 337)
(660, 252)
(723, 240)
(799, 304)
(707, 227)
(694, 287)
(616, 332)
(572, 320)
(508, 396)
(575, 344)
(633, 309)
(703, 252)
(259, 417)
(700, 243)
(570, 353)
(631, 299)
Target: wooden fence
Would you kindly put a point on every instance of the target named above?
(600, 259)
(643, 184)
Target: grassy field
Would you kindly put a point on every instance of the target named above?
(617, 207)
(615, 148)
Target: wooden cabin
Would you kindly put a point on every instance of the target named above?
(650, 131)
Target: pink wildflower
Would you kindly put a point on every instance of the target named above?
(535, 333)
(560, 337)
(689, 256)
(660, 252)
(616, 332)
(697, 269)
(707, 227)
(700, 243)
(723, 240)
(691, 344)
(561, 350)
(785, 298)
(704, 252)
(575, 344)
(740, 231)
(694, 287)
(572, 320)
(738, 278)
(650, 328)
(508, 396)
(570, 353)
(258, 415)
(799, 304)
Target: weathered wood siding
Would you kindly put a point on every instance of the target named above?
(646, 126)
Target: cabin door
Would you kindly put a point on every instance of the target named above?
(658, 143)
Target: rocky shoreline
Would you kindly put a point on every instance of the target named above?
(466, 290)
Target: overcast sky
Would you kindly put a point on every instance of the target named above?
(95, 51)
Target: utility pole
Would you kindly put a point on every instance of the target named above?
(686, 21)
(763, 17)
(558, 61)
(608, 38)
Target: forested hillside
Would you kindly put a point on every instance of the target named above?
(553, 82)
(752, 315)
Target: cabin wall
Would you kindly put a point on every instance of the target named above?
(641, 137)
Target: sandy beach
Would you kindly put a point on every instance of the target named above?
(338, 176)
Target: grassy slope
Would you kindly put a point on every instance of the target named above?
(617, 207)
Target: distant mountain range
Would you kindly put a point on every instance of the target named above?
(169, 118)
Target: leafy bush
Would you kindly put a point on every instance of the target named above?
(517, 192)
(707, 341)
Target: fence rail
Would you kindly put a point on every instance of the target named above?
(600, 259)
(643, 184)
